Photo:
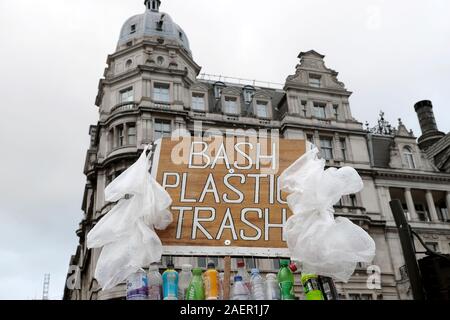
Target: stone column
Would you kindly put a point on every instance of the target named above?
(384, 199)
(431, 206)
(410, 205)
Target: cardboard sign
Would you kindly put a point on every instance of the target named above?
(225, 192)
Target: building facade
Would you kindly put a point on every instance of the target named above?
(152, 86)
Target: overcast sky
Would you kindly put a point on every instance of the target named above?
(391, 54)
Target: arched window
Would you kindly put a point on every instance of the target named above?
(409, 158)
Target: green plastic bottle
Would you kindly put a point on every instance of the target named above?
(311, 287)
(196, 290)
(286, 281)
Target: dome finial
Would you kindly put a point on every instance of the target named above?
(153, 5)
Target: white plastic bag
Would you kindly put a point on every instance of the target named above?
(126, 233)
(325, 246)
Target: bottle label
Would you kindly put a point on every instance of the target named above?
(154, 292)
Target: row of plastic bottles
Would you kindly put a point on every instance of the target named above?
(194, 284)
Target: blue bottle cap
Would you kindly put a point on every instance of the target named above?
(237, 278)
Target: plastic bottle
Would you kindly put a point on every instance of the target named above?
(328, 288)
(155, 282)
(221, 277)
(239, 290)
(257, 283)
(244, 274)
(137, 286)
(184, 281)
(271, 288)
(196, 290)
(170, 283)
(286, 281)
(211, 281)
(311, 286)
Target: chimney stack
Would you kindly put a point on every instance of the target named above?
(430, 132)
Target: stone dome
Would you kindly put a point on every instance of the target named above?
(153, 24)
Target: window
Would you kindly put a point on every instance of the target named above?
(133, 29)
(261, 109)
(336, 111)
(433, 246)
(353, 296)
(422, 213)
(276, 264)
(198, 101)
(315, 80)
(304, 103)
(250, 263)
(409, 159)
(319, 110)
(343, 148)
(120, 136)
(161, 92)
(327, 148)
(366, 297)
(163, 128)
(131, 134)
(353, 201)
(310, 138)
(126, 95)
(231, 105)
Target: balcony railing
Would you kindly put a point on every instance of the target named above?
(127, 106)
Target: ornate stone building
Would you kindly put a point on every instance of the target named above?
(152, 86)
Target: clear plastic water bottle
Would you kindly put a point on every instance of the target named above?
(137, 286)
(155, 282)
(239, 291)
(221, 277)
(257, 285)
(244, 274)
(184, 280)
(271, 288)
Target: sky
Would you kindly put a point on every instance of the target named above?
(390, 54)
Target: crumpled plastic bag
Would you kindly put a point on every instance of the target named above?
(127, 232)
(326, 246)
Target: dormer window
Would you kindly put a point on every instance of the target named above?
(231, 105)
(198, 102)
(133, 29)
(315, 80)
(409, 158)
(218, 87)
(248, 94)
(262, 109)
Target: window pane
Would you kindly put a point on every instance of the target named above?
(261, 109)
(198, 102)
(319, 110)
(126, 95)
(161, 92)
(327, 148)
(231, 105)
(131, 134)
(314, 81)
